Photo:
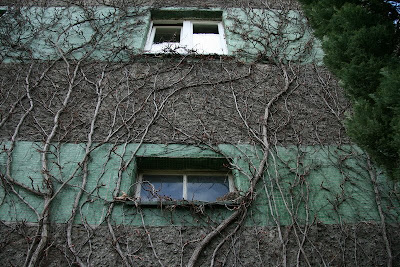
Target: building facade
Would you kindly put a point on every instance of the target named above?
(180, 133)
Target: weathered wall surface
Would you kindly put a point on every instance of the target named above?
(115, 33)
(334, 245)
(329, 184)
(203, 97)
(72, 128)
(164, 3)
(317, 187)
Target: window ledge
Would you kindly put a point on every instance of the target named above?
(179, 203)
(188, 55)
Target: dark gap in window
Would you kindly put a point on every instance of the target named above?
(178, 24)
(157, 14)
(2, 11)
(205, 28)
(160, 163)
(167, 34)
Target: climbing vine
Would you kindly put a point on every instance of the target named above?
(74, 121)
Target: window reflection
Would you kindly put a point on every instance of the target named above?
(207, 188)
(210, 187)
(156, 187)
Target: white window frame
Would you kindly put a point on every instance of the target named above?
(184, 175)
(186, 42)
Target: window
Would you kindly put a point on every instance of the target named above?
(2, 10)
(204, 179)
(203, 37)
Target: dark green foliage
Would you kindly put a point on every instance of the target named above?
(361, 43)
(375, 125)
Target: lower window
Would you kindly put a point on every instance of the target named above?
(181, 184)
(191, 187)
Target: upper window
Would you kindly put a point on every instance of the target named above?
(2, 10)
(166, 179)
(203, 37)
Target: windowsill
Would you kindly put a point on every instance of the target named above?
(187, 55)
(179, 203)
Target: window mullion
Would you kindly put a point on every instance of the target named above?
(185, 186)
(231, 183)
(221, 32)
(139, 185)
(150, 38)
(187, 35)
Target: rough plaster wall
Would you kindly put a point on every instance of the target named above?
(203, 104)
(309, 114)
(333, 245)
(329, 188)
(165, 3)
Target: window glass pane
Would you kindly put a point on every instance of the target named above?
(167, 34)
(205, 28)
(156, 187)
(207, 188)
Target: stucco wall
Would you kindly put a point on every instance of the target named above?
(202, 101)
(113, 33)
(314, 175)
(336, 245)
(71, 129)
(337, 192)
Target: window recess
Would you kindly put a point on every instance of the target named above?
(3, 9)
(191, 180)
(187, 36)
